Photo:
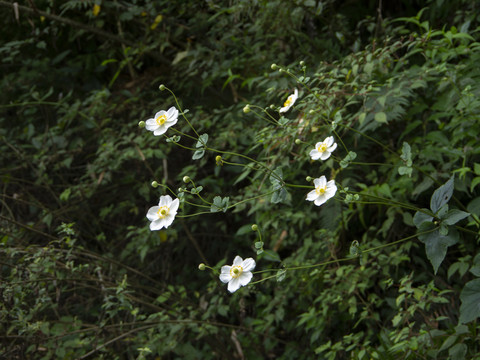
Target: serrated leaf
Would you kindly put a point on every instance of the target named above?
(406, 155)
(279, 195)
(454, 216)
(419, 218)
(441, 196)
(436, 246)
(202, 141)
(219, 204)
(405, 170)
(470, 297)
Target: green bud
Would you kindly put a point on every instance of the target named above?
(309, 178)
(274, 66)
(298, 141)
(280, 70)
(302, 63)
(162, 87)
(154, 184)
(141, 124)
(254, 227)
(246, 109)
(311, 112)
(186, 179)
(201, 267)
(272, 107)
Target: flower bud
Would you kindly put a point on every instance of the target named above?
(154, 184)
(254, 227)
(141, 124)
(302, 63)
(246, 109)
(309, 178)
(311, 112)
(272, 107)
(201, 267)
(219, 160)
(298, 141)
(274, 67)
(186, 179)
(162, 87)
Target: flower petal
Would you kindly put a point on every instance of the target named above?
(160, 113)
(325, 155)
(174, 206)
(152, 213)
(245, 278)
(156, 225)
(320, 200)
(160, 131)
(248, 264)
(315, 154)
(333, 147)
(237, 261)
(234, 285)
(165, 200)
(312, 195)
(328, 141)
(225, 276)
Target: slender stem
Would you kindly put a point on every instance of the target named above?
(181, 111)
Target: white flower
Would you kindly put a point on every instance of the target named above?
(289, 102)
(239, 274)
(162, 121)
(323, 191)
(323, 149)
(163, 214)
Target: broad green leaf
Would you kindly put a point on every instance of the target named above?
(436, 245)
(219, 204)
(470, 297)
(405, 170)
(458, 351)
(419, 218)
(279, 195)
(442, 195)
(454, 216)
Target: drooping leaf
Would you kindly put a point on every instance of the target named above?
(419, 218)
(436, 245)
(454, 216)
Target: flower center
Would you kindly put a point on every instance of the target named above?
(161, 119)
(322, 148)
(163, 212)
(288, 101)
(320, 190)
(236, 271)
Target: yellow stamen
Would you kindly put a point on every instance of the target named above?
(236, 271)
(288, 101)
(161, 119)
(320, 190)
(322, 148)
(163, 212)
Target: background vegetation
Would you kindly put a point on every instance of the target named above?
(396, 82)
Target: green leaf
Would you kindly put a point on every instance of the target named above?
(350, 157)
(381, 117)
(202, 141)
(470, 297)
(454, 216)
(219, 204)
(405, 170)
(441, 196)
(419, 218)
(406, 155)
(474, 183)
(281, 275)
(458, 352)
(436, 245)
(280, 194)
(270, 255)
(198, 154)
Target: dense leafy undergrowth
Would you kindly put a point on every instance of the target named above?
(388, 268)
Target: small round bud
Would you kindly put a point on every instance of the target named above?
(186, 179)
(302, 63)
(154, 184)
(280, 70)
(274, 67)
(246, 109)
(298, 141)
(219, 160)
(254, 227)
(309, 178)
(311, 112)
(201, 267)
(141, 124)
(272, 107)
(162, 87)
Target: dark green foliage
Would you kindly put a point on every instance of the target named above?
(81, 274)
